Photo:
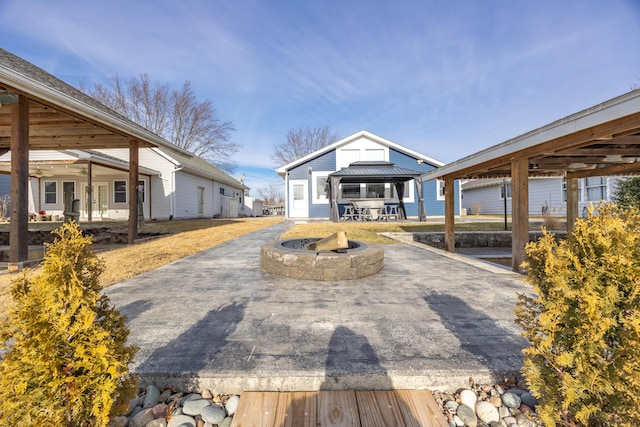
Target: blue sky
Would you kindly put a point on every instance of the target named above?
(444, 78)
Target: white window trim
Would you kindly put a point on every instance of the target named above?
(126, 191)
(314, 188)
(44, 192)
(439, 185)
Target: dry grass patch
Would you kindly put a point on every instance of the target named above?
(190, 236)
(368, 231)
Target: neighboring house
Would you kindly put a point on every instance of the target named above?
(251, 207)
(306, 178)
(486, 195)
(171, 184)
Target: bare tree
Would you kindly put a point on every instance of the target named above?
(176, 115)
(272, 194)
(302, 141)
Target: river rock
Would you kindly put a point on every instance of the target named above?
(195, 406)
(528, 399)
(524, 421)
(182, 421)
(467, 415)
(213, 414)
(511, 400)
(152, 398)
(226, 422)
(165, 395)
(142, 418)
(232, 404)
(469, 398)
(487, 412)
(206, 394)
(158, 422)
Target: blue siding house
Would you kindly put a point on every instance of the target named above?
(306, 189)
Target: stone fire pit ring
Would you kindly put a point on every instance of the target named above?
(290, 258)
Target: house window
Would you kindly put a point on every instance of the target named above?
(350, 191)
(120, 191)
(320, 187)
(201, 200)
(374, 191)
(50, 192)
(596, 189)
(222, 191)
(440, 189)
(503, 186)
(142, 191)
(407, 191)
(564, 190)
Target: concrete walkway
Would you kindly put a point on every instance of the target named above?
(429, 320)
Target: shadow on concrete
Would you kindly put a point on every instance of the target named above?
(478, 334)
(352, 364)
(197, 347)
(135, 309)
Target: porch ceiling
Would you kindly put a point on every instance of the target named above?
(53, 128)
(601, 141)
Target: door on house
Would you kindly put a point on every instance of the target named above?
(99, 203)
(298, 199)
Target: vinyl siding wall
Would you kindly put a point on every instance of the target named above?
(542, 192)
(326, 163)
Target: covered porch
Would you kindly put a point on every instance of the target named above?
(40, 112)
(603, 140)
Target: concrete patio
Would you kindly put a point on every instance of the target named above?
(429, 319)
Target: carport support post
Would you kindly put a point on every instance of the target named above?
(449, 220)
(19, 227)
(572, 202)
(133, 190)
(519, 210)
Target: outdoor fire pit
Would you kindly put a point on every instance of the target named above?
(291, 258)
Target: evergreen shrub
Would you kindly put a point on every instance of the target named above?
(583, 323)
(66, 358)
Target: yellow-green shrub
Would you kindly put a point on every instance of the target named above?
(583, 324)
(66, 359)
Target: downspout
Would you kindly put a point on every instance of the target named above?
(172, 199)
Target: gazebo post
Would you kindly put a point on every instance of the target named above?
(519, 210)
(449, 220)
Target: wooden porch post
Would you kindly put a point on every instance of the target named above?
(572, 203)
(133, 190)
(449, 220)
(89, 194)
(19, 227)
(519, 210)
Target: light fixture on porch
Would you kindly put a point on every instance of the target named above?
(7, 98)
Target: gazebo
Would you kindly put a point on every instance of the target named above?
(374, 172)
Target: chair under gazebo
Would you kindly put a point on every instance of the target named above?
(374, 172)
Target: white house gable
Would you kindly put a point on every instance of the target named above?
(361, 149)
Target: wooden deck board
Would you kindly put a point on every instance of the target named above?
(410, 408)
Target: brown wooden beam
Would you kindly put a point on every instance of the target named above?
(519, 211)
(449, 216)
(618, 169)
(133, 190)
(19, 227)
(572, 203)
